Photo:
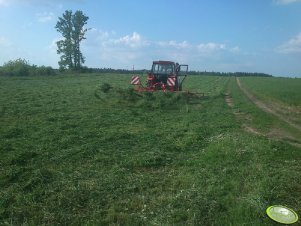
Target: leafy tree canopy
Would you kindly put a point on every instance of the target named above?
(71, 27)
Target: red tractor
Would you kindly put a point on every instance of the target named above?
(164, 75)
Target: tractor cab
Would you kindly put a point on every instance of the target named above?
(166, 75)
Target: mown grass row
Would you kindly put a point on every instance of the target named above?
(72, 154)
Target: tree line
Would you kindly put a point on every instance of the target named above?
(235, 74)
(22, 67)
(199, 73)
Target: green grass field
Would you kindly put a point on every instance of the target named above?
(282, 94)
(282, 90)
(72, 154)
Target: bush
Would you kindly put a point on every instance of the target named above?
(43, 70)
(21, 67)
(105, 87)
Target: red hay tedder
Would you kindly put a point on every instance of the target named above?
(164, 75)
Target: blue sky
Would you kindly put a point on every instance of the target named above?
(212, 35)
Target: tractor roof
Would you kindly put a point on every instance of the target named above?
(163, 62)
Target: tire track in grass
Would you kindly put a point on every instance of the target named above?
(230, 103)
(229, 100)
(240, 115)
(263, 106)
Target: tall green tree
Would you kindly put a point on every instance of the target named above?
(71, 27)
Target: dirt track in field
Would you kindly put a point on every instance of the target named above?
(263, 106)
(229, 100)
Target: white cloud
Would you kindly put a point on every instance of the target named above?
(174, 44)
(211, 47)
(45, 17)
(108, 49)
(235, 49)
(97, 38)
(100, 34)
(53, 46)
(112, 50)
(285, 2)
(134, 41)
(291, 46)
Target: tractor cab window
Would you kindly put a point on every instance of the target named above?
(162, 68)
